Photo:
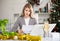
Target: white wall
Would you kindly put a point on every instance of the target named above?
(0, 8)
(43, 17)
(10, 7)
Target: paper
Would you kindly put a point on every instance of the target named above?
(37, 30)
(27, 28)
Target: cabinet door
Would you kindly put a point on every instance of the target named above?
(44, 10)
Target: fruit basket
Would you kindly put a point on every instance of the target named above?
(14, 35)
(20, 37)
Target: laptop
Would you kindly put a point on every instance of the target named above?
(33, 29)
(36, 29)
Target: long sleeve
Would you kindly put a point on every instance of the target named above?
(16, 24)
(35, 22)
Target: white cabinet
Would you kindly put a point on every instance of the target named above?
(43, 13)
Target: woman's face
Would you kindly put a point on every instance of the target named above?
(27, 12)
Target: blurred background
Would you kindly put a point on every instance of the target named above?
(11, 9)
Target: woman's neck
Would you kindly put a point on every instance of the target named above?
(26, 16)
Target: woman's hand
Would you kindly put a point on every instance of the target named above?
(20, 31)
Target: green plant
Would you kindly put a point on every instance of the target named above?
(4, 32)
(3, 23)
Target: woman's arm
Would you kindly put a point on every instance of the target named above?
(16, 24)
(19, 31)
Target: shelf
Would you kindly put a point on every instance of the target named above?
(44, 13)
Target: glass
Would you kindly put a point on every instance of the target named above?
(46, 28)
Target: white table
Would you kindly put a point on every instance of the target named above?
(49, 39)
(55, 36)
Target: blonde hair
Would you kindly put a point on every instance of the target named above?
(31, 10)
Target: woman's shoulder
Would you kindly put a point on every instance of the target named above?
(33, 18)
(20, 17)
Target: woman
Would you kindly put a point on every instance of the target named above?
(25, 18)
